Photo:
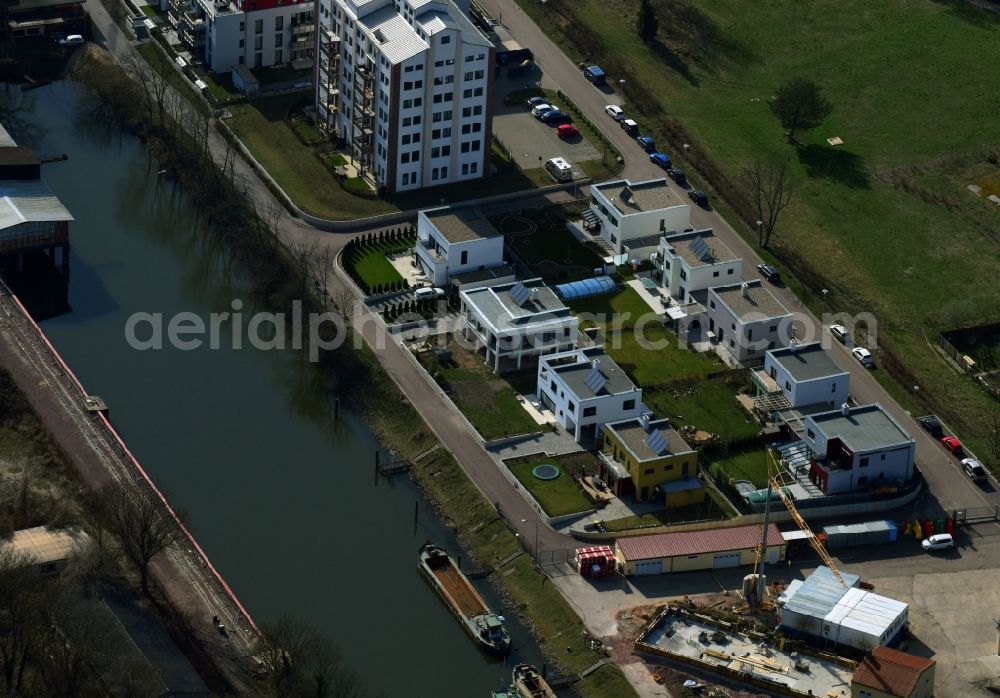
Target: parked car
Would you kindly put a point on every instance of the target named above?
(974, 469)
(71, 40)
(428, 292)
(554, 116)
(540, 109)
(567, 131)
(839, 333)
(769, 272)
(933, 426)
(629, 126)
(951, 444)
(659, 159)
(863, 356)
(646, 143)
(939, 541)
(595, 74)
(535, 101)
(677, 174)
(699, 197)
(615, 112)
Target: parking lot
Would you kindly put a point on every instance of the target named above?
(530, 141)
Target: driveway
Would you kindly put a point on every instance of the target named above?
(532, 142)
(951, 488)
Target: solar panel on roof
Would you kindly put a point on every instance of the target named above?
(520, 293)
(595, 380)
(657, 442)
(700, 248)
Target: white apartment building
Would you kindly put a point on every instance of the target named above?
(694, 261)
(255, 33)
(514, 321)
(413, 92)
(748, 320)
(453, 241)
(586, 389)
(633, 216)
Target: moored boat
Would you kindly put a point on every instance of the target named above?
(530, 684)
(485, 627)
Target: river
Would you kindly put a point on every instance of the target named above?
(283, 500)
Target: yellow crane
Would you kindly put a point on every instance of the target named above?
(773, 484)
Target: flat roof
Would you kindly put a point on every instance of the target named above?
(820, 592)
(575, 374)
(633, 436)
(461, 224)
(474, 276)
(806, 362)
(713, 540)
(29, 202)
(496, 306)
(639, 197)
(757, 299)
(681, 245)
(865, 428)
(44, 545)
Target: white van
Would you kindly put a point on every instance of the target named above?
(559, 169)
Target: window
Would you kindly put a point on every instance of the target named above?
(715, 273)
(572, 407)
(242, 43)
(438, 98)
(477, 110)
(470, 58)
(810, 434)
(788, 386)
(863, 462)
(278, 41)
(628, 404)
(243, 26)
(475, 167)
(444, 173)
(418, 84)
(258, 43)
(258, 27)
(436, 133)
(466, 94)
(649, 471)
(446, 39)
(416, 137)
(408, 69)
(406, 120)
(669, 466)
(711, 304)
(435, 152)
(589, 411)
(465, 168)
(279, 56)
(279, 23)
(749, 335)
(405, 157)
(465, 146)
(418, 101)
(476, 145)
(684, 273)
(479, 75)
(465, 260)
(408, 85)
(406, 178)
(730, 272)
(476, 128)
(882, 457)
(833, 387)
(434, 173)
(467, 76)
(406, 139)
(445, 150)
(415, 156)
(417, 120)
(466, 128)
(553, 386)
(407, 104)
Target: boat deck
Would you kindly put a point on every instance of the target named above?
(460, 590)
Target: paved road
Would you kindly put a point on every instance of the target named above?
(949, 485)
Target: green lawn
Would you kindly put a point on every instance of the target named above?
(713, 69)
(558, 497)
(709, 405)
(221, 86)
(709, 509)
(551, 250)
(308, 131)
(487, 400)
(375, 268)
(294, 166)
(149, 11)
(750, 465)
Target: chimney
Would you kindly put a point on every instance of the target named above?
(845, 409)
(745, 288)
(792, 345)
(596, 364)
(645, 421)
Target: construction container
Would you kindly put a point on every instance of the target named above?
(597, 561)
(868, 533)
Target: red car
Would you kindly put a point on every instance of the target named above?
(951, 444)
(567, 131)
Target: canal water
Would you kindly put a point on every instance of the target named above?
(283, 500)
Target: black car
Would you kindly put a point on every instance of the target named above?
(677, 174)
(699, 197)
(554, 117)
(769, 272)
(933, 426)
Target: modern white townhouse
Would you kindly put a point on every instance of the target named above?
(858, 449)
(748, 320)
(516, 321)
(694, 261)
(412, 93)
(452, 242)
(806, 374)
(586, 389)
(633, 216)
(254, 33)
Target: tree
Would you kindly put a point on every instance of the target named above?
(800, 106)
(141, 522)
(23, 600)
(305, 663)
(648, 24)
(770, 191)
(993, 433)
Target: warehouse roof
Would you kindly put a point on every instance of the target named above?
(712, 540)
(891, 671)
(29, 202)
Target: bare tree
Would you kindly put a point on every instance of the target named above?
(770, 191)
(343, 302)
(23, 599)
(993, 432)
(141, 522)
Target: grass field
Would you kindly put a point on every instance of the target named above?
(749, 465)
(558, 497)
(709, 405)
(713, 69)
(375, 268)
(551, 251)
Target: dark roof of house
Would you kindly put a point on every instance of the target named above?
(891, 671)
(17, 156)
(712, 540)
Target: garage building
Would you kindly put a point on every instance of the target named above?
(697, 550)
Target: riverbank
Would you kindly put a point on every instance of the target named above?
(358, 374)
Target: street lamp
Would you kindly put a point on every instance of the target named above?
(535, 524)
(685, 146)
(825, 291)
(760, 232)
(621, 86)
